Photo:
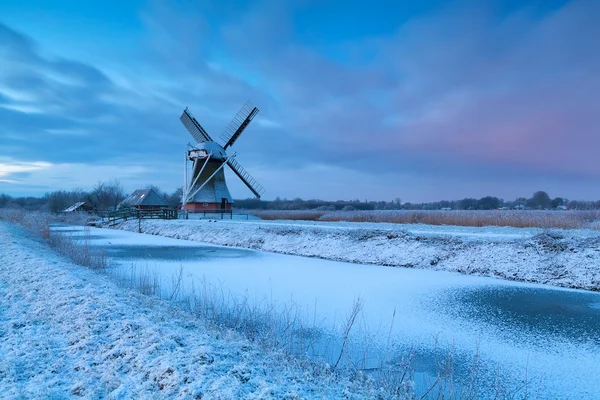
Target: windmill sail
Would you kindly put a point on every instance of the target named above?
(194, 127)
(252, 184)
(238, 124)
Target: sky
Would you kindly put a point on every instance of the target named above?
(418, 100)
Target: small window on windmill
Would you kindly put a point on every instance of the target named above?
(205, 204)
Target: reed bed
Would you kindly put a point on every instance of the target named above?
(547, 219)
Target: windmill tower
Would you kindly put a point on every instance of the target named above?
(204, 186)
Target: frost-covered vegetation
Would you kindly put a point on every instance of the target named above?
(571, 219)
(567, 258)
(67, 332)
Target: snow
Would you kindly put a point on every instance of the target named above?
(533, 331)
(567, 258)
(66, 331)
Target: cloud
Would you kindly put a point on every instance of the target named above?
(8, 169)
(460, 86)
(43, 176)
(519, 92)
(54, 86)
(463, 97)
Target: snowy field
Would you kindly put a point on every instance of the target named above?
(67, 332)
(567, 258)
(519, 333)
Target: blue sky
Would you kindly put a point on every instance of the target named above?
(421, 100)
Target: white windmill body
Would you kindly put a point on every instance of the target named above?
(205, 188)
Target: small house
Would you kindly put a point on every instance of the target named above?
(144, 199)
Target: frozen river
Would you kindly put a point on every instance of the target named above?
(545, 336)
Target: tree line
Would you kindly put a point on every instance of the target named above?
(540, 200)
(104, 196)
(108, 195)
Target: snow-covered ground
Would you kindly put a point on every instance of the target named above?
(69, 332)
(568, 258)
(546, 336)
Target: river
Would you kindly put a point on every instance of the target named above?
(497, 334)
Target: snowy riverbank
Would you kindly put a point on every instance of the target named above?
(66, 331)
(567, 258)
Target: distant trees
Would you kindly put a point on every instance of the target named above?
(61, 199)
(489, 203)
(558, 202)
(583, 205)
(104, 196)
(540, 200)
(485, 203)
(107, 195)
(174, 199)
(467, 204)
(4, 200)
(25, 203)
(520, 202)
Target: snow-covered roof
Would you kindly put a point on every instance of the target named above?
(217, 151)
(74, 207)
(144, 197)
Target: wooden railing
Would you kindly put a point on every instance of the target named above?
(131, 213)
(222, 213)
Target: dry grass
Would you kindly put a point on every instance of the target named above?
(79, 251)
(511, 218)
(299, 215)
(36, 222)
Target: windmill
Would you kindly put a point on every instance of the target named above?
(204, 186)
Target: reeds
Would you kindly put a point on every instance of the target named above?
(572, 219)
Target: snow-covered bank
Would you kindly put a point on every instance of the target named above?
(568, 258)
(66, 331)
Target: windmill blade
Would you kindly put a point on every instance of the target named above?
(194, 127)
(252, 184)
(238, 124)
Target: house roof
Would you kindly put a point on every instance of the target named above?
(144, 197)
(75, 206)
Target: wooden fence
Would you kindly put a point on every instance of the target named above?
(131, 213)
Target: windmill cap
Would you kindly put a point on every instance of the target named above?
(218, 152)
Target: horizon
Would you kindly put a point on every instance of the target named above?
(398, 201)
(423, 102)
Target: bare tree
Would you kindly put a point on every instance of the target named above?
(107, 195)
(59, 200)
